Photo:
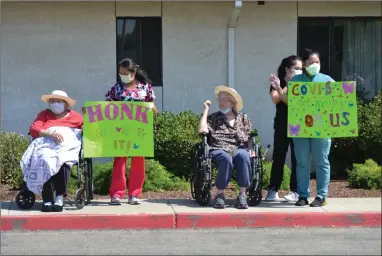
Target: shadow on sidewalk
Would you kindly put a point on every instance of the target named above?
(230, 203)
(69, 205)
(6, 205)
(187, 203)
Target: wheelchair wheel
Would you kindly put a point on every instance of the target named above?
(255, 192)
(25, 199)
(203, 196)
(91, 183)
(192, 186)
(88, 180)
(80, 198)
(255, 199)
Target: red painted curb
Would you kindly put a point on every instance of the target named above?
(271, 219)
(188, 220)
(83, 222)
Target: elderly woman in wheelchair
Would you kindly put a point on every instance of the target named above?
(57, 142)
(230, 145)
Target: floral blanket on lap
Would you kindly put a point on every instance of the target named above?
(44, 157)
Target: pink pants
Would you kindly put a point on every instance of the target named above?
(136, 177)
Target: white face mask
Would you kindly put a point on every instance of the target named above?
(126, 78)
(225, 111)
(57, 107)
(313, 69)
(296, 72)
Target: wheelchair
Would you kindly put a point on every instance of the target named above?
(201, 180)
(25, 199)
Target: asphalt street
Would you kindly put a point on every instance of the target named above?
(260, 241)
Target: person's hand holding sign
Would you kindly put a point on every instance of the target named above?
(155, 110)
(152, 107)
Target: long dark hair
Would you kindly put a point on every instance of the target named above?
(287, 62)
(132, 67)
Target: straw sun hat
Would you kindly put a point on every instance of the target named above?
(222, 88)
(58, 94)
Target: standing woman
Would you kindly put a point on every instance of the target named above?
(134, 85)
(318, 148)
(289, 67)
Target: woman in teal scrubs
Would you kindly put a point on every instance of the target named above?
(318, 148)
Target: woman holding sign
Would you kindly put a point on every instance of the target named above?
(318, 148)
(134, 85)
(289, 67)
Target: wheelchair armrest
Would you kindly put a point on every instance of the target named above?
(253, 133)
(203, 134)
(204, 137)
(206, 147)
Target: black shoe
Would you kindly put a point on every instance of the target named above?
(318, 202)
(57, 208)
(219, 201)
(302, 201)
(46, 208)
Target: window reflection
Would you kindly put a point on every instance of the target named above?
(350, 49)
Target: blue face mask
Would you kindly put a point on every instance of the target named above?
(57, 107)
(225, 111)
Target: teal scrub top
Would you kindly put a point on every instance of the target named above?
(319, 77)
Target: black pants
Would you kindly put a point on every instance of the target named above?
(58, 182)
(280, 149)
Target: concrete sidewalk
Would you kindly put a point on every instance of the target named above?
(179, 213)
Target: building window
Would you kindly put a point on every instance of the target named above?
(140, 38)
(350, 48)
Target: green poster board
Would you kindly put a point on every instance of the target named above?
(322, 110)
(113, 129)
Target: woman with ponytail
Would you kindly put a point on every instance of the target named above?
(289, 67)
(133, 85)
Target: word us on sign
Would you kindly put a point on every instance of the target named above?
(322, 110)
(115, 129)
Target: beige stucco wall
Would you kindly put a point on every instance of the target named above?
(194, 52)
(138, 9)
(53, 45)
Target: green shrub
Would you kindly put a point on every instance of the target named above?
(157, 177)
(267, 165)
(102, 177)
(175, 140)
(367, 175)
(12, 148)
(368, 144)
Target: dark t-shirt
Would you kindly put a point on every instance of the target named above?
(281, 118)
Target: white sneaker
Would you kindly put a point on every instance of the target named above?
(292, 197)
(134, 200)
(272, 195)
